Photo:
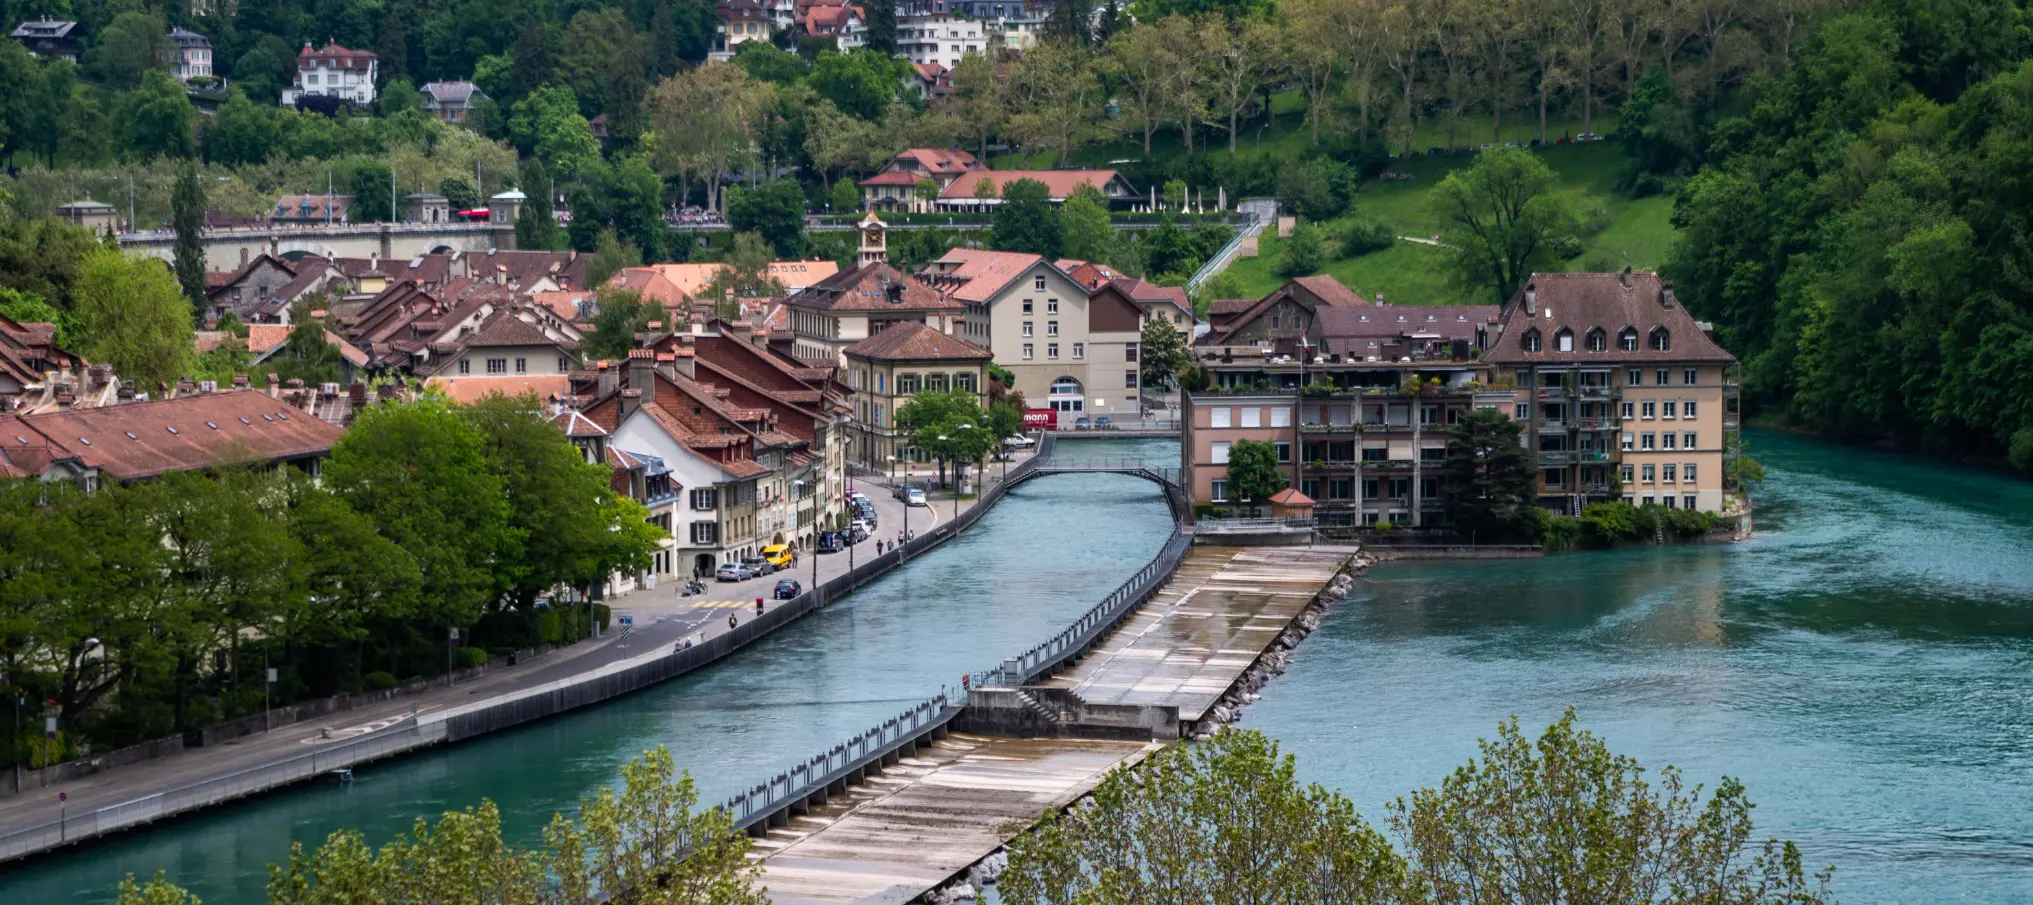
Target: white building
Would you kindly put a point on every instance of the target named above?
(346, 76)
(939, 38)
(193, 55)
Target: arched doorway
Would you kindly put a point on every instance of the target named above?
(703, 565)
(1066, 395)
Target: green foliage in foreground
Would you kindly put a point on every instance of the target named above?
(1559, 818)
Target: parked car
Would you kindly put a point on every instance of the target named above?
(1104, 422)
(915, 497)
(779, 556)
(758, 566)
(1082, 423)
(832, 542)
(857, 534)
(787, 589)
(733, 571)
(1018, 441)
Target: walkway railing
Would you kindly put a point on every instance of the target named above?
(1027, 666)
(802, 781)
(1252, 525)
(1250, 227)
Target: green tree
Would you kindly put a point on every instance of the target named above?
(1161, 353)
(1319, 190)
(845, 198)
(610, 257)
(133, 44)
(770, 63)
(187, 217)
(461, 193)
(948, 424)
(356, 576)
(547, 124)
(1253, 474)
(158, 891)
(420, 472)
(603, 59)
(1027, 221)
(1491, 480)
(882, 29)
(159, 119)
(1500, 219)
(243, 132)
(1561, 817)
(397, 96)
(774, 210)
(1090, 236)
(743, 273)
(622, 314)
(536, 229)
(1305, 252)
(132, 315)
(980, 93)
(862, 83)
(372, 182)
(926, 191)
(308, 355)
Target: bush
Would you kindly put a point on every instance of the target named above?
(1606, 523)
(1305, 252)
(380, 680)
(1363, 235)
(2022, 450)
(1567, 248)
(1319, 189)
(463, 657)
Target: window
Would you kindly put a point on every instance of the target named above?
(906, 384)
(1629, 472)
(1662, 341)
(465, 367)
(881, 382)
(1219, 452)
(1688, 500)
(1628, 340)
(1687, 441)
(1310, 487)
(1129, 351)
(1051, 328)
(878, 414)
(1690, 377)
(1252, 416)
(1051, 306)
(1650, 409)
(1039, 282)
(564, 364)
(1647, 440)
(1634, 377)
(705, 533)
(1027, 328)
(1666, 473)
(1598, 341)
(1523, 411)
(1662, 375)
(1686, 476)
(522, 366)
(1629, 439)
(1666, 440)
(1531, 340)
(1052, 350)
(963, 381)
(1281, 417)
(1218, 416)
(705, 499)
(1687, 408)
(1129, 380)
(1284, 452)
(1079, 350)
(1650, 473)
(497, 366)
(1027, 306)
(1564, 340)
(1027, 352)
(1667, 500)
(1219, 492)
(1667, 408)
(1630, 410)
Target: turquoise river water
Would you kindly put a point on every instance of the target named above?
(1865, 666)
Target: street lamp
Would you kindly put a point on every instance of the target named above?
(813, 549)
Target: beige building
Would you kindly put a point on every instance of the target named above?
(835, 313)
(887, 369)
(1070, 351)
(1621, 392)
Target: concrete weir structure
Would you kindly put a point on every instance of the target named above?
(1166, 662)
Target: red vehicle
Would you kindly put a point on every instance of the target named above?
(476, 215)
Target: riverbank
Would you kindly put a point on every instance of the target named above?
(185, 781)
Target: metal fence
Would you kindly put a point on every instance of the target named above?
(1025, 667)
(1253, 525)
(823, 770)
(320, 759)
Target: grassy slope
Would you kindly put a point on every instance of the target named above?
(1638, 232)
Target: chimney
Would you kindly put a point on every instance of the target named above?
(1531, 299)
(687, 353)
(126, 392)
(631, 399)
(1666, 299)
(1625, 277)
(609, 379)
(185, 387)
(358, 393)
(1380, 299)
(98, 376)
(240, 381)
(641, 371)
(274, 384)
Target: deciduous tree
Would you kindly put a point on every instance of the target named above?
(1500, 219)
(1253, 474)
(1026, 221)
(133, 316)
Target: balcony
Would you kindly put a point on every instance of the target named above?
(1594, 424)
(1329, 429)
(1388, 464)
(1731, 421)
(1432, 504)
(1554, 423)
(1596, 456)
(1556, 457)
(1552, 393)
(1595, 488)
(1601, 392)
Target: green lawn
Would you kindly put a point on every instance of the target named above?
(1406, 273)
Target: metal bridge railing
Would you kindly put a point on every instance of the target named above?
(1026, 666)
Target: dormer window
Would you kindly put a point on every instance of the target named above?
(1564, 340)
(1531, 340)
(1598, 341)
(1662, 341)
(1628, 340)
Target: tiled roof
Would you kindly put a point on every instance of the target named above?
(450, 92)
(1330, 290)
(986, 272)
(577, 425)
(916, 342)
(469, 390)
(1609, 301)
(941, 160)
(1229, 306)
(869, 288)
(145, 439)
(1059, 184)
(505, 329)
(894, 177)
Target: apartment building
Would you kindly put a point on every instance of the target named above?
(1070, 351)
(1620, 391)
(829, 316)
(1355, 397)
(887, 369)
(938, 38)
(340, 75)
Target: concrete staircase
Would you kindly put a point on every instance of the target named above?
(1030, 702)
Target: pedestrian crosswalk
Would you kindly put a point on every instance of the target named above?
(723, 604)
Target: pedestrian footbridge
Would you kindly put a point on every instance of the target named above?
(1171, 480)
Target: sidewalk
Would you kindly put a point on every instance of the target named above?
(663, 618)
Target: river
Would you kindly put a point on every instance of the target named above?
(1049, 551)
(1864, 666)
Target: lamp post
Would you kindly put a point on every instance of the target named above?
(956, 480)
(813, 551)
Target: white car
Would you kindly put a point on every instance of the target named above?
(1018, 441)
(915, 497)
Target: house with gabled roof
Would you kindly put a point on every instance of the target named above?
(135, 441)
(852, 305)
(887, 369)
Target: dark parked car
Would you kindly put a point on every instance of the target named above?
(831, 542)
(1104, 422)
(787, 589)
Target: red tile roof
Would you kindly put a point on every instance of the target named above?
(1611, 302)
(868, 288)
(916, 342)
(1060, 184)
(144, 439)
(986, 272)
(469, 390)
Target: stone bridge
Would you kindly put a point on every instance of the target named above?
(228, 249)
(1170, 480)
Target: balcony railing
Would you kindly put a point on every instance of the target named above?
(1554, 423)
(1388, 464)
(1602, 392)
(1595, 487)
(1329, 429)
(1556, 457)
(1594, 424)
(1592, 455)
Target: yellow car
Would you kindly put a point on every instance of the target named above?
(779, 555)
